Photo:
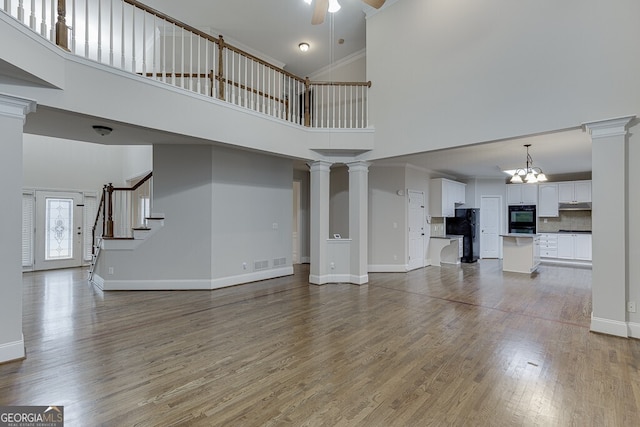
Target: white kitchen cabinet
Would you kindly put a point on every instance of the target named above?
(548, 200)
(522, 194)
(582, 245)
(574, 192)
(574, 246)
(444, 195)
(548, 245)
(565, 246)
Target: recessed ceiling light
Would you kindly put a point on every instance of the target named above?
(102, 130)
(303, 46)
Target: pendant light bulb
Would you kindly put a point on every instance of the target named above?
(334, 6)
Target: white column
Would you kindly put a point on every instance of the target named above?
(319, 217)
(358, 220)
(610, 226)
(13, 112)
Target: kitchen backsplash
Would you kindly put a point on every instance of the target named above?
(568, 220)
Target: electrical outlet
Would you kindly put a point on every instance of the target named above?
(244, 265)
(110, 270)
(631, 306)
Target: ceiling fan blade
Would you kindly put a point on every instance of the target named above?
(374, 3)
(320, 11)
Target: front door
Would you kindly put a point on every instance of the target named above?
(58, 235)
(490, 206)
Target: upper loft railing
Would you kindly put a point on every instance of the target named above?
(133, 37)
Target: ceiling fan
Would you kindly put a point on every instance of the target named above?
(322, 6)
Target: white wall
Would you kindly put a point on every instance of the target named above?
(252, 196)
(351, 69)
(387, 218)
(339, 201)
(59, 164)
(303, 177)
(452, 72)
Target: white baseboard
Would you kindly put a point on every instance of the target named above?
(251, 277)
(12, 351)
(189, 284)
(388, 268)
(634, 330)
(359, 280)
(338, 278)
(608, 326)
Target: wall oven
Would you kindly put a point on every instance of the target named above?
(522, 219)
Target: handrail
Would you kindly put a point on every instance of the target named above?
(135, 187)
(95, 225)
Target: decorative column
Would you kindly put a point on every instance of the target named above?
(13, 112)
(358, 221)
(319, 217)
(609, 224)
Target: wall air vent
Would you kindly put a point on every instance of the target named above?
(260, 265)
(279, 262)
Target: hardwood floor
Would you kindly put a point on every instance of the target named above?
(469, 346)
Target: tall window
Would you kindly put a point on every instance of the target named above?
(59, 235)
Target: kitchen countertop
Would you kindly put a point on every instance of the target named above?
(567, 232)
(525, 235)
(448, 236)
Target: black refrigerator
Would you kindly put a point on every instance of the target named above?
(466, 223)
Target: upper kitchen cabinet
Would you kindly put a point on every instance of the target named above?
(522, 194)
(444, 195)
(574, 192)
(548, 200)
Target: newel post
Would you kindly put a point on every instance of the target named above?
(109, 203)
(61, 25)
(307, 95)
(220, 68)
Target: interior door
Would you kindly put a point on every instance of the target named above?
(416, 229)
(490, 226)
(58, 235)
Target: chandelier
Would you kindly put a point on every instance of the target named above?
(531, 174)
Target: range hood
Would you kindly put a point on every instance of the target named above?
(575, 206)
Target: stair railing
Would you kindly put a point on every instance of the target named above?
(134, 37)
(122, 209)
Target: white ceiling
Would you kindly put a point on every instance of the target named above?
(275, 28)
(557, 154)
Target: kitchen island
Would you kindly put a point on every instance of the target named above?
(520, 252)
(445, 249)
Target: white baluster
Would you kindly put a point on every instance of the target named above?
(20, 11)
(99, 30)
(182, 56)
(190, 60)
(173, 57)
(111, 32)
(32, 16)
(199, 81)
(133, 39)
(122, 38)
(7, 6)
(144, 43)
(43, 24)
(73, 27)
(86, 28)
(153, 57)
(52, 31)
